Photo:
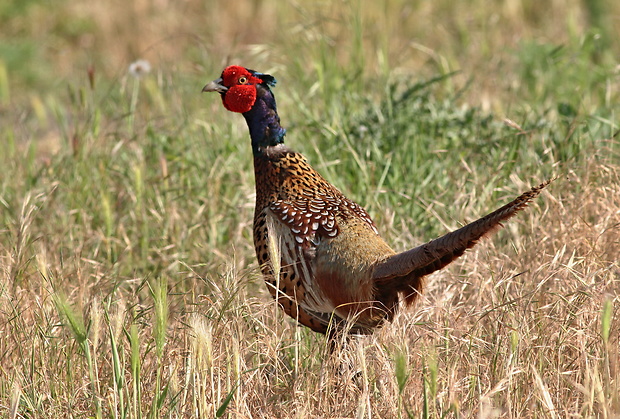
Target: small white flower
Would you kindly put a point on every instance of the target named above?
(139, 68)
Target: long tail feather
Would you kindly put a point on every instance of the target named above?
(436, 254)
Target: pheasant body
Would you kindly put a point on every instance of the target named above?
(299, 219)
(320, 253)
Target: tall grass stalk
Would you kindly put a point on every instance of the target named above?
(134, 344)
(75, 321)
(118, 375)
(159, 293)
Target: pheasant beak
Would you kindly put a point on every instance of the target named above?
(215, 86)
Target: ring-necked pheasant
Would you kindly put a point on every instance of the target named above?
(319, 252)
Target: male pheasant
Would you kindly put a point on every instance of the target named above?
(319, 252)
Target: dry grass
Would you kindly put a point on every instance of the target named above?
(514, 329)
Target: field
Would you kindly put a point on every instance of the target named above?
(128, 282)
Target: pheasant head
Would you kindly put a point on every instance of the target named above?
(239, 87)
(248, 92)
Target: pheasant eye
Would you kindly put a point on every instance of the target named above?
(243, 80)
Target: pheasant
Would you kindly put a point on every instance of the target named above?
(319, 252)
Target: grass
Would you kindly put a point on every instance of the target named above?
(128, 282)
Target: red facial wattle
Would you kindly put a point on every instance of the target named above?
(240, 98)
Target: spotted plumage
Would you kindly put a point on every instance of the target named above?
(320, 253)
(304, 211)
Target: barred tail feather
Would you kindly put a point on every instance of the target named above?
(413, 264)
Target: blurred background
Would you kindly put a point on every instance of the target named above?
(507, 52)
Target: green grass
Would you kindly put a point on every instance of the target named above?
(128, 282)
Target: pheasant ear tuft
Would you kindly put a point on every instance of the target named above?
(268, 79)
